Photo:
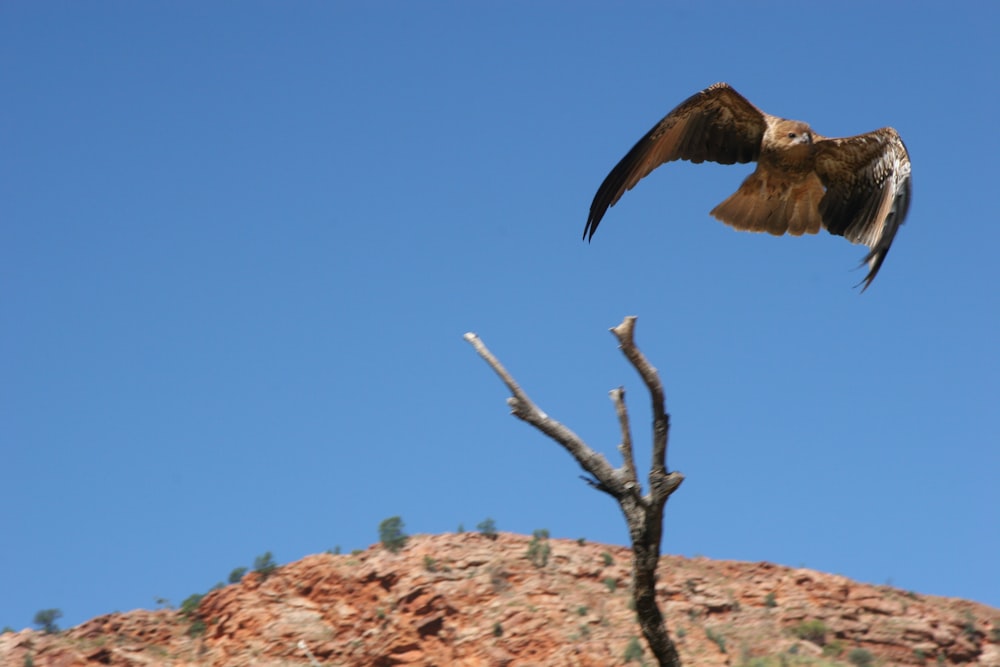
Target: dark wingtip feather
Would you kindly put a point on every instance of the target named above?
(874, 261)
(608, 194)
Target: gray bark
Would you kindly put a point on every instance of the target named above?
(643, 512)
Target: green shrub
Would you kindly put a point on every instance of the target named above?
(539, 549)
(197, 628)
(812, 631)
(719, 640)
(770, 601)
(497, 629)
(45, 619)
(189, 608)
(430, 564)
(581, 611)
(860, 657)
(264, 565)
(581, 541)
(834, 648)
(607, 559)
(611, 583)
(633, 651)
(391, 534)
(237, 575)
(488, 528)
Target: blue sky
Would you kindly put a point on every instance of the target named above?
(240, 244)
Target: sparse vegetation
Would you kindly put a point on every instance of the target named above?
(611, 584)
(487, 528)
(719, 640)
(811, 631)
(633, 651)
(970, 629)
(581, 611)
(581, 541)
(460, 529)
(538, 548)
(770, 601)
(189, 612)
(264, 565)
(860, 657)
(607, 559)
(788, 659)
(390, 533)
(46, 619)
(197, 628)
(237, 575)
(189, 608)
(834, 648)
(497, 629)
(430, 564)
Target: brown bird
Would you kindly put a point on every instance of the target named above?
(855, 187)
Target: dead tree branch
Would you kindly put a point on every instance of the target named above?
(643, 512)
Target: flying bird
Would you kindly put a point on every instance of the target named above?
(856, 187)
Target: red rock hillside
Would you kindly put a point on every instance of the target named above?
(466, 599)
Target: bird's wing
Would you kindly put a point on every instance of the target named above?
(867, 180)
(717, 124)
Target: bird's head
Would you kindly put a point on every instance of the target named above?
(790, 133)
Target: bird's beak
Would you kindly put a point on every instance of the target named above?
(808, 138)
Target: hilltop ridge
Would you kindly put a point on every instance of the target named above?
(466, 599)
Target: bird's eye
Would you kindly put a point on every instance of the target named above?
(791, 135)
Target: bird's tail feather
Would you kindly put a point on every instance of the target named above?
(765, 203)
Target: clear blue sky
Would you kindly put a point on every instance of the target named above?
(240, 244)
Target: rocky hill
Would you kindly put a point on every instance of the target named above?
(466, 599)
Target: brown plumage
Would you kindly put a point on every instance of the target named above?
(856, 187)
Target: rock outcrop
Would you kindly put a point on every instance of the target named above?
(469, 600)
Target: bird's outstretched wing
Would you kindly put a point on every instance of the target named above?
(867, 180)
(717, 124)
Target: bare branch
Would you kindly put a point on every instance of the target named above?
(525, 409)
(644, 515)
(498, 368)
(625, 333)
(628, 459)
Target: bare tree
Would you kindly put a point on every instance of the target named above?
(643, 512)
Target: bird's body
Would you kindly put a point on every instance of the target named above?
(856, 187)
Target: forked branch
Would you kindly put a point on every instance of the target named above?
(643, 512)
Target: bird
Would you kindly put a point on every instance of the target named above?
(857, 187)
